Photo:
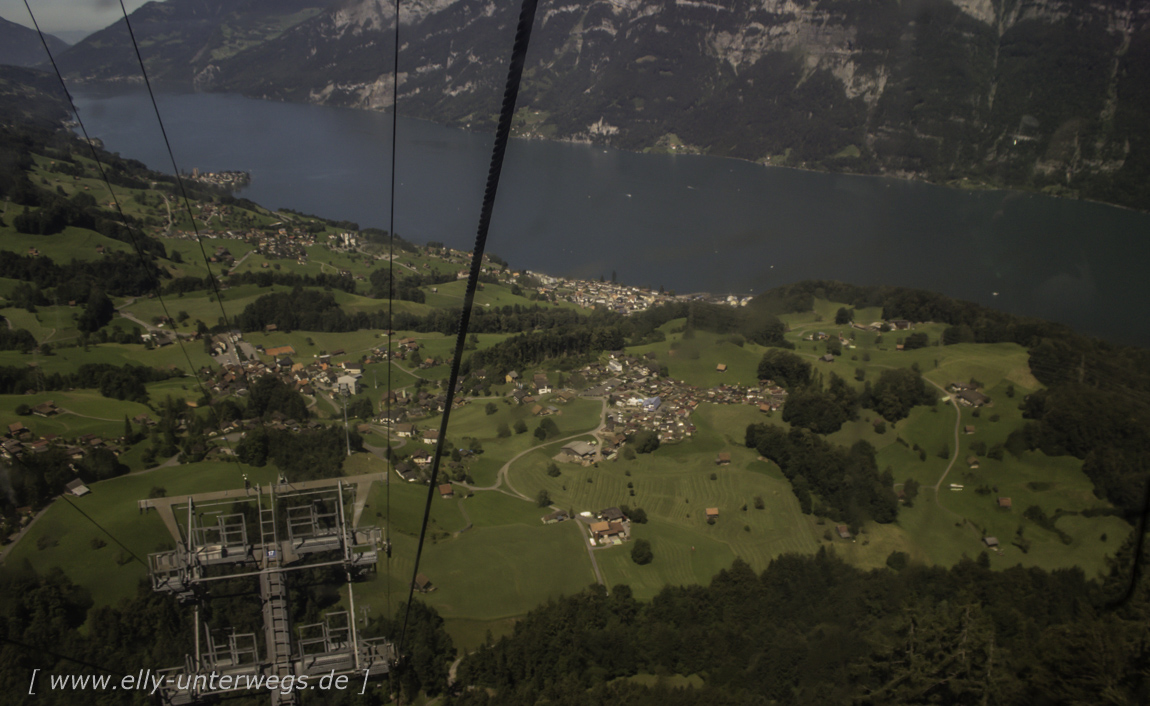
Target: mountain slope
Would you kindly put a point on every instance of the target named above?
(20, 46)
(178, 35)
(1049, 94)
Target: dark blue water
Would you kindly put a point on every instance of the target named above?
(687, 223)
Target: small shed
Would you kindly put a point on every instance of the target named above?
(968, 429)
(721, 367)
(712, 513)
(972, 461)
(991, 542)
(844, 531)
(1004, 503)
(77, 488)
(423, 584)
(723, 459)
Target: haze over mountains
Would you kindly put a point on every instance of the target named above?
(1046, 94)
(20, 46)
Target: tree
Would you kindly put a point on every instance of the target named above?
(641, 553)
(520, 426)
(910, 491)
(915, 340)
(549, 428)
(503, 431)
(844, 316)
(553, 470)
(97, 312)
(543, 499)
(644, 442)
(490, 409)
(785, 368)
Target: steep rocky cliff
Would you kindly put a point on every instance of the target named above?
(1051, 94)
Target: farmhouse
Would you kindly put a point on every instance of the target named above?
(972, 461)
(446, 490)
(430, 436)
(612, 514)
(968, 429)
(844, 531)
(721, 367)
(405, 431)
(828, 358)
(723, 459)
(972, 398)
(578, 451)
(990, 541)
(46, 409)
(712, 513)
(609, 532)
(1004, 503)
(554, 517)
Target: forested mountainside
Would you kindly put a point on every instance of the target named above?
(1048, 94)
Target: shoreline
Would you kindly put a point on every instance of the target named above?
(183, 89)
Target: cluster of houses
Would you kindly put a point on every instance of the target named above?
(227, 179)
(646, 402)
(20, 440)
(624, 299)
(282, 243)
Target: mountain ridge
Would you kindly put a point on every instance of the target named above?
(1041, 94)
(21, 46)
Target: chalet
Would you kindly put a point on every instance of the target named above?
(968, 429)
(271, 327)
(430, 436)
(537, 410)
(566, 396)
(721, 367)
(991, 542)
(542, 384)
(405, 431)
(972, 461)
(423, 584)
(828, 358)
(557, 516)
(77, 488)
(446, 490)
(900, 324)
(723, 459)
(843, 531)
(511, 376)
(17, 428)
(519, 396)
(407, 471)
(712, 513)
(1004, 503)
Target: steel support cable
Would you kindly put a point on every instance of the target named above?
(499, 149)
(116, 202)
(390, 298)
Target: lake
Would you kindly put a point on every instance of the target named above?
(688, 223)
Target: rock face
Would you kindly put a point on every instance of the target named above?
(1051, 94)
